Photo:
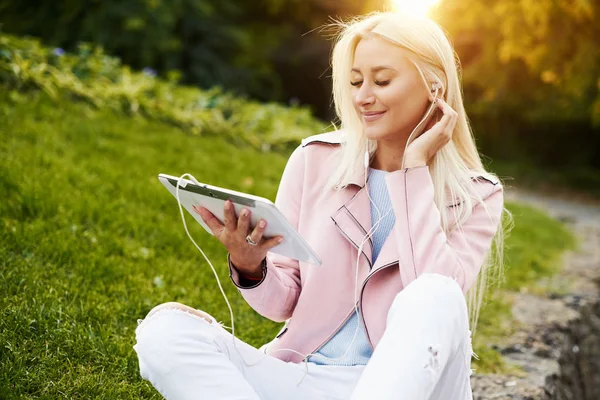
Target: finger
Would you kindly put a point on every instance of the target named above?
(272, 242)
(201, 211)
(446, 109)
(451, 125)
(258, 231)
(209, 219)
(229, 219)
(243, 223)
(441, 125)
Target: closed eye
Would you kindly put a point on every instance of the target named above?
(378, 83)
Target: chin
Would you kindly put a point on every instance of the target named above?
(375, 133)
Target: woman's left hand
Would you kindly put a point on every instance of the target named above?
(424, 147)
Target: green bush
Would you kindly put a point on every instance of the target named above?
(98, 79)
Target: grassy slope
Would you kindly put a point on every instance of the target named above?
(90, 241)
(82, 256)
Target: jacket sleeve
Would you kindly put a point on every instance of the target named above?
(276, 295)
(422, 243)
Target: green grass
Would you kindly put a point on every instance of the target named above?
(90, 241)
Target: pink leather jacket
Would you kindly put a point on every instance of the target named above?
(317, 300)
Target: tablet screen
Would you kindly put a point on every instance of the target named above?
(217, 194)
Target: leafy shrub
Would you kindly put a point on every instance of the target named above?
(92, 76)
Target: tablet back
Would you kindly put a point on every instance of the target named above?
(213, 198)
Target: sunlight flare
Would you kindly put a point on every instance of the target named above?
(418, 7)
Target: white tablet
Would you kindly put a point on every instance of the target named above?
(213, 198)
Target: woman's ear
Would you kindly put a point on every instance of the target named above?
(436, 89)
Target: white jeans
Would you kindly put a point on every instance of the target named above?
(425, 353)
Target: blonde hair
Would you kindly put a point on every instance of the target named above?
(451, 168)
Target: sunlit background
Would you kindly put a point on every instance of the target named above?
(417, 7)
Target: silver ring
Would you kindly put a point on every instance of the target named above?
(250, 241)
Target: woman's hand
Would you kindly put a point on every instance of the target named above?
(232, 233)
(424, 147)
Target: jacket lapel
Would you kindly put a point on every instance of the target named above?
(388, 254)
(353, 219)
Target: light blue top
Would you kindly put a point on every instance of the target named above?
(360, 352)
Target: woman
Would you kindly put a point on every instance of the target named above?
(385, 315)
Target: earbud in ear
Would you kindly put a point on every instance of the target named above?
(436, 86)
(367, 159)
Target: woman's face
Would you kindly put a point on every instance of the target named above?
(388, 92)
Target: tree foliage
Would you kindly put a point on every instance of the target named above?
(531, 73)
(542, 56)
(531, 68)
(237, 44)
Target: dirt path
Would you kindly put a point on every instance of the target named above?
(536, 345)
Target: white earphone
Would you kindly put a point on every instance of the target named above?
(436, 87)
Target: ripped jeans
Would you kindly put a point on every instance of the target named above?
(424, 354)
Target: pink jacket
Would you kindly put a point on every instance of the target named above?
(317, 300)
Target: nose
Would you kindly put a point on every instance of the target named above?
(364, 95)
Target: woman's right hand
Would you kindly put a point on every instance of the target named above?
(232, 233)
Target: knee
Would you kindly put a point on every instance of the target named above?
(168, 333)
(173, 305)
(167, 322)
(431, 293)
(437, 285)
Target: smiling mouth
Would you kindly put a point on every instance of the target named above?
(372, 116)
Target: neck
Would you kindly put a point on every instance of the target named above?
(389, 154)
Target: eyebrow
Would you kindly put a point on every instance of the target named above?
(375, 69)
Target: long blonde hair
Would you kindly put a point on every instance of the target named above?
(451, 168)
